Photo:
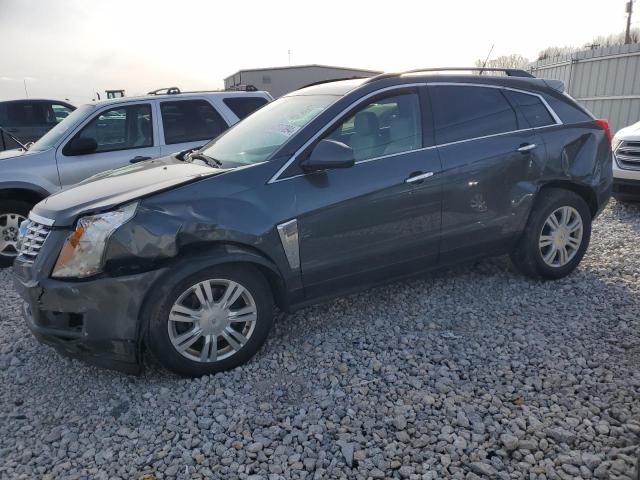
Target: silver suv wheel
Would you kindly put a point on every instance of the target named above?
(212, 320)
(9, 227)
(561, 236)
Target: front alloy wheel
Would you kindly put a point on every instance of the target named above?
(9, 227)
(12, 214)
(210, 321)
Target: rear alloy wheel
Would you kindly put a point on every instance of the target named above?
(12, 214)
(556, 236)
(212, 321)
(561, 236)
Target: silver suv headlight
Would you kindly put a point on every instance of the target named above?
(83, 251)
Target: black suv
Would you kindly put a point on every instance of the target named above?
(329, 189)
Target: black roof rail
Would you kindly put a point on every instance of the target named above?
(330, 80)
(510, 72)
(165, 91)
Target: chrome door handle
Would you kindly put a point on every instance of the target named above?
(418, 178)
(527, 147)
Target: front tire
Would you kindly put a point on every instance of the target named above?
(556, 236)
(211, 321)
(12, 213)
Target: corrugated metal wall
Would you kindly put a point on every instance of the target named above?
(606, 81)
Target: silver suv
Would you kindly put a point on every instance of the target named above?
(110, 134)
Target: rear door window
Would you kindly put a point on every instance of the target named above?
(244, 106)
(60, 112)
(190, 121)
(466, 112)
(534, 111)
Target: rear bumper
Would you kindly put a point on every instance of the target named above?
(97, 321)
(626, 189)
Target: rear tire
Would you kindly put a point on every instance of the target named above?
(544, 251)
(12, 212)
(230, 326)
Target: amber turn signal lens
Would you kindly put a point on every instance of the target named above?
(69, 247)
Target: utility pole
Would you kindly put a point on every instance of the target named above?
(629, 10)
(24, 81)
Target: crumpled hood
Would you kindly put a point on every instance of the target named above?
(115, 187)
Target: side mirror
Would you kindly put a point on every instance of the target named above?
(329, 154)
(81, 146)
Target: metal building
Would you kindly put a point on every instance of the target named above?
(281, 80)
(605, 80)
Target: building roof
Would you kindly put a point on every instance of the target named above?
(294, 67)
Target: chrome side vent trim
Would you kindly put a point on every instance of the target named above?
(288, 232)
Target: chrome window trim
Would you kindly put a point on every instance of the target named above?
(276, 176)
(42, 220)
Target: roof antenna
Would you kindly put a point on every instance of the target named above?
(486, 60)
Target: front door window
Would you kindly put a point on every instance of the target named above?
(121, 128)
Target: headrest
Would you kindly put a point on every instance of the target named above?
(401, 130)
(366, 123)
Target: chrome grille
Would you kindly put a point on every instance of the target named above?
(32, 237)
(628, 155)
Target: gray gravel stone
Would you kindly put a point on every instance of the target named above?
(476, 372)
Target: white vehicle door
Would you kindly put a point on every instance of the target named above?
(188, 123)
(114, 137)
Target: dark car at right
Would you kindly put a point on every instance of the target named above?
(327, 190)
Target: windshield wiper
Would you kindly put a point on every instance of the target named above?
(22, 145)
(212, 162)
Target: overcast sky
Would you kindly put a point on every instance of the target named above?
(72, 48)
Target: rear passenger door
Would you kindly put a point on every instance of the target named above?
(188, 124)
(491, 160)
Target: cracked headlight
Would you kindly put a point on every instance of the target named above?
(82, 253)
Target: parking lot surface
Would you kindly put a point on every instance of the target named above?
(475, 372)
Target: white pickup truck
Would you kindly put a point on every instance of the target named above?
(626, 164)
(110, 134)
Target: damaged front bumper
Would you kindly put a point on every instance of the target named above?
(96, 320)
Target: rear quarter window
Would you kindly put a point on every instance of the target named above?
(244, 106)
(566, 110)
(532, 108)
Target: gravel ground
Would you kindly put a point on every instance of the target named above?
(472, 373)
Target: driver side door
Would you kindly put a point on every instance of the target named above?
(124, 134)
(379, 218)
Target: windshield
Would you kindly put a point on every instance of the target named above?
(53, 136)
(259, 135)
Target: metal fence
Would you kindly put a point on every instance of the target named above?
(605, 80)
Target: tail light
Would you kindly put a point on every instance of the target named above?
(604, 124)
